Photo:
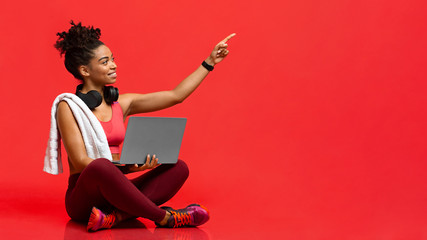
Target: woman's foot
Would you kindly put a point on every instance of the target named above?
(191, 216)
(99, 220)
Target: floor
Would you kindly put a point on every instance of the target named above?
(37, 213)
(32, 207)
(44, 217)
(34, 214)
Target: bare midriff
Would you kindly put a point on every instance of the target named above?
(116, 156)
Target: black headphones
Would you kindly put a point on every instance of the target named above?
(93, 98)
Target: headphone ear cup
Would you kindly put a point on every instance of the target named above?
(92, 99)
(111, 94)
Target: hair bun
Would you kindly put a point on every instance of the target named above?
(78, 36)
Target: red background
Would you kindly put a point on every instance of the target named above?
(313, 128)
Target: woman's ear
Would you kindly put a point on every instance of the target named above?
(84, 71)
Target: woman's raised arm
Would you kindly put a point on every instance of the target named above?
(140, 103)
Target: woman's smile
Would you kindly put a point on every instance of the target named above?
(113, 75)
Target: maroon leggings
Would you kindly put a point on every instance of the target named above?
(103, 185)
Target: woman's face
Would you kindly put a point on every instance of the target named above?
(101, 69)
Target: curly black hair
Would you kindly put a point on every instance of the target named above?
(78, 45)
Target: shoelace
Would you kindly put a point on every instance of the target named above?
(181, 219)
(109, 220)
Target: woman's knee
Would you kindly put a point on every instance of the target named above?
(100, 165)
(183, 168)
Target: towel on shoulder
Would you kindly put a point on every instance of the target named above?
(93, 134)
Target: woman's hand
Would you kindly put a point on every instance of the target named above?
(219, 52)
(149, 164)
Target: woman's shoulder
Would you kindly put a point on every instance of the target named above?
(63, 108)
(125, 96)
(64, 116)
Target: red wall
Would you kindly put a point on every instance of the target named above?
(319, 109)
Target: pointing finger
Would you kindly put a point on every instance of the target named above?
(229, 37)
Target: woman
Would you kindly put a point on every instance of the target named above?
(98, 191)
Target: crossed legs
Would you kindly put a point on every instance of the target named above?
(103, 185)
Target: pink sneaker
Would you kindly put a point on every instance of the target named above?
(98, 220)
(191, 216)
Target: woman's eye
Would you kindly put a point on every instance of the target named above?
(105, 62)
(113, 59)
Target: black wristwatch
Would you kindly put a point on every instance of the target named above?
(207, 66)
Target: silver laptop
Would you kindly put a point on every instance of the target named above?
(152, 135)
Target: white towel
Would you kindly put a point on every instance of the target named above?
(93, 134)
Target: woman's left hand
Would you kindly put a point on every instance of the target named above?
(150, 163)
(219, 52)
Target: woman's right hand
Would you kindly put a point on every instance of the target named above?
(219, 52)
(150, 163)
